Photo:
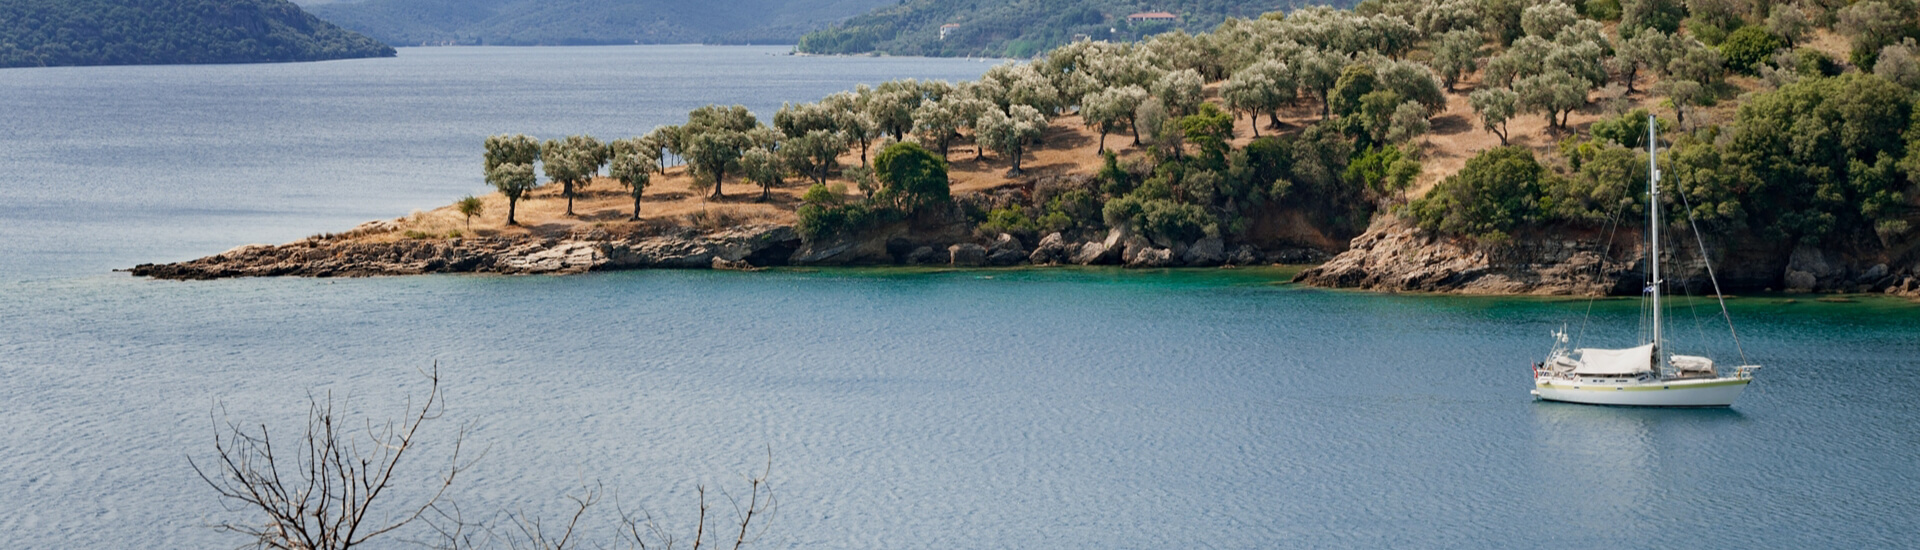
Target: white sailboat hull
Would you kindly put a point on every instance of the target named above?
(1705, 392)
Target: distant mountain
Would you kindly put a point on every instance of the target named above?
(554, 22)
(36, 33)
(1022, 28)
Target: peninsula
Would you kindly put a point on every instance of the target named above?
(52, 33)
(1406, 146)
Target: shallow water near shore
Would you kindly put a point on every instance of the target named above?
(901, 408)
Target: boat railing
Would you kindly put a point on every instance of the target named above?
(1745, 372)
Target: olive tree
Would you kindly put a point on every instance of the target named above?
(1409, 122)
(1261, 88)
(1414, 82)
(1008, 134)
(562, 166)
(1649, 49)
(1554, 94)
(1181, 91)
(714, 138)
(892, 111)
(511, 149)
(814, 154)
(761, 166)
(513, 180)
(1790, 22)
(1319, 70)
(1495, 106)
(936, 123)
(1455, 54)
(1112, 107)
(1897, 64)
(1870, 25)
(634, 171)
(1546, 19)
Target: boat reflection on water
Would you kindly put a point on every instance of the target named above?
(1610, 466)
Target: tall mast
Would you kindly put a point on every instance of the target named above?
(1653, 226)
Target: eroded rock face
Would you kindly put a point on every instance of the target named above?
(1396, 256)
(340, 257)
(1393, 255)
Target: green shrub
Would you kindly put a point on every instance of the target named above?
(1009, 219)
(1497, 191)
(914, 177)
(1177, 222)
(1746, 48)
(1601, 10)
(1382, 170)
(1114, 180)
(1162, 219)
(824, 212)
(1629, 129)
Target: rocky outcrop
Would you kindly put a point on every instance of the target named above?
(1052, 250)
(1106, 251)
(353, 255)
(1206, 252)
(1006, 251)
(376, 248)
(1395, 256)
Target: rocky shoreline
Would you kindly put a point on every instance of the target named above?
(1391, 256)
(1395, 256)
(371, 250)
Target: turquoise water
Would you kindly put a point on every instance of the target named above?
(1079, 408)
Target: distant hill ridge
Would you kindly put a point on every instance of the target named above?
(1004, 28)
(584, 22)
(35, 33)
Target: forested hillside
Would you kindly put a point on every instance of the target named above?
(557, 22)
(1020, 28)
(35, 33)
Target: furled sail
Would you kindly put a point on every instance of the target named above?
(1615, 362)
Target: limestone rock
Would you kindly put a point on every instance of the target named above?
(1095, 253)
(1052, 250)
(1152, 257)
(1205, 252)
(1133, 246)
(967, 255)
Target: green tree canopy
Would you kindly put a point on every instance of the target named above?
(913, 177)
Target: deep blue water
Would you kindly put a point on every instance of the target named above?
(903, 409)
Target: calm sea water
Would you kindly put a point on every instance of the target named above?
(901, 409)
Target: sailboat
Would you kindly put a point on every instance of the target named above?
(1647, 375)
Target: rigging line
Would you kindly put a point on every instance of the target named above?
(1600, 270)
(1693, 307)
(1707, 260)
